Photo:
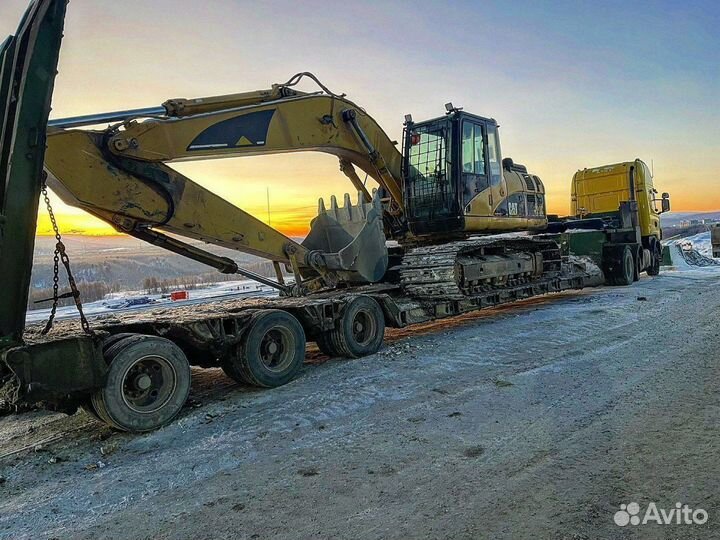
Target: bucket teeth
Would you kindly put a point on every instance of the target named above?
(350, 238)
(349, 212)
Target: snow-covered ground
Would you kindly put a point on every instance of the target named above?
(701, 243)
(692, 252)
(138, 300)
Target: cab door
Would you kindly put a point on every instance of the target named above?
(498, 189)
(474, 180)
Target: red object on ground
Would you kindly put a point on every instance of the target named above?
(179, 295)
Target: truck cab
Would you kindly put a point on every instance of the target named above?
(599, 192)
(620, 201)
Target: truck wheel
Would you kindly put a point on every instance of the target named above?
(147, 384)
(654, 268)
(637, 260)
(272, 351)
(230, 367)
(87, 404)
(360, 331)
(625, 272)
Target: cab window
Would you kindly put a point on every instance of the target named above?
(493, 155)
(473, 149)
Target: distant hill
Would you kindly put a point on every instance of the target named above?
(672, 219)
(123, 263)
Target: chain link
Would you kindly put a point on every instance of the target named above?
(61, 256)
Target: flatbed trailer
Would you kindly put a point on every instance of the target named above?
(64, 369)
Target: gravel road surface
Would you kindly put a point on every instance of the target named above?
(531, 421)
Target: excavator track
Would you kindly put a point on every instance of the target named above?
(466, 268)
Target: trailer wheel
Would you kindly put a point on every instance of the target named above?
(625, 271)
(87, 404)
(272, 351)
(325, 345)
(147, 384)
(359, 332)
(654, 268)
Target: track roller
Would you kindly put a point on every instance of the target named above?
(359, 332)
(148, 383)
(271, 352)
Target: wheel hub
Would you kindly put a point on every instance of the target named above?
(148, 384)
(143, 382)
(363, 327)
(276, 348)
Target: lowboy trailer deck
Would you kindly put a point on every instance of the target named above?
(69, 368)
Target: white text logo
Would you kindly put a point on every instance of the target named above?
(680, 514)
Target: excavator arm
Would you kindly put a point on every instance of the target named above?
(120, 175)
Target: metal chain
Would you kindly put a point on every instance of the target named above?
(61, 255)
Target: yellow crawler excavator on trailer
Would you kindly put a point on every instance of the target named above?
(442, 198)
(450, 182)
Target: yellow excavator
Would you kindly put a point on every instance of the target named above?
(449, 182)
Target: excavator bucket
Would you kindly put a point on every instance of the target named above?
(351, 239)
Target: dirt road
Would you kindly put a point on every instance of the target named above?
(536, 421)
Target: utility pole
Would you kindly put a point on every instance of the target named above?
(268, 204)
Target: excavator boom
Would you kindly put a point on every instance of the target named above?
(120, 175)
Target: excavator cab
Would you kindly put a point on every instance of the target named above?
(456, 181)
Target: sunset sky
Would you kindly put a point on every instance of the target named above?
(572, 84)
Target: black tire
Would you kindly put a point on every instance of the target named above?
(271, 352)
(231, 366)
(87, 404)
(325, 345)
(625, 271)
(148, 382)
(654, 268)
(637, 260)
(360, 331)
(113, 339)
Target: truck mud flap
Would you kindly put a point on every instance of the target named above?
(52, 372)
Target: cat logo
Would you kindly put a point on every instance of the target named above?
(238, 132)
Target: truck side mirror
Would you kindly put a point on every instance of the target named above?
(665, 202)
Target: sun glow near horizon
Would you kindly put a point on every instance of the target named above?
(578, 85)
